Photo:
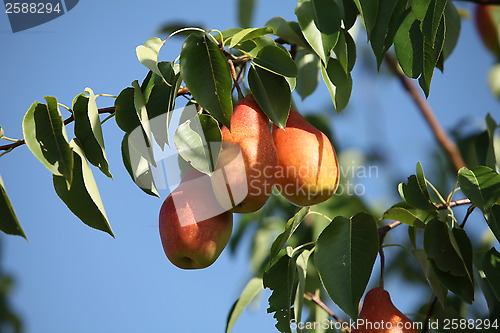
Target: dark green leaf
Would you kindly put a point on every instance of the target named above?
(83, 198)
(8, 219)
(286, 31)
(408, 43)
(88, 130)
(246, 10)
(198, 141)
(493, 219)
(368, 10)
(138, 167)
(345, 253)
(308, 65)
(301, 264)
(249, 34)
(45, 135)
(125, 115)
(450, 254)
(432, 20)
(481, 185)
(206, 73)
(490, 157)
(345, 50)
(491, 268)
(276, 60)
(291, 226)
(320, 24)
(452, 27)
(439, 290)
(338, 82)
(272, 93)
(281, 279)
(251, 290)
(350, 13)
(415, 192)
(432, 53)
(407, 214)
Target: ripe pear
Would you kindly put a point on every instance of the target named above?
(487, 18)
(244, 176)
(308, 169)
(379, 315)
(194, 228)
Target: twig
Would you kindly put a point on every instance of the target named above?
(111, 110)
(439, 133)
(428, 315)
(316, 300)
(466, 217)
(235, 78)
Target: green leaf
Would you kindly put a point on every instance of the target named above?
(276, 60)
(493, 219)
(45, 135)
(125, 115)
(345, 253)
(227, 35)
(83, 198)
(338, 82)
(416, 193)
(8, 219)
(148, 54)
(388, 21)
(491, 127)
(287, 31)
(345, 50)
(252, 47)
(308, 65)
(272, 93)
(251, 290)
(408, 44)
(320, 24)
(350, 13)
(368, 10)
(432, 20)
(452, 27)
(161, 100)
(1, 132)
(249, 34)
(407, 214)
(206, 73)
(138, 167)
(246, 10)
(432, 53)
(290, 228)
(301, 264)
(481, 185)
(142, 114)
(281, 279)
(198, 141)
(88, 130)
(491, 268)
(439, 290)
(450, 254)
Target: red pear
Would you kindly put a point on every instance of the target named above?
(308, 170)
(487, 18)
(379, 315)
(194, 228)
(247, 160)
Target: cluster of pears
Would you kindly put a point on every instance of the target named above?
(196, 218)
(379, 315)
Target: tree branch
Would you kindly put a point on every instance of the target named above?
(70, 119)
(443, 139)
(316, 300)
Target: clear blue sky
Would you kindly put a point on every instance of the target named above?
(71, 278)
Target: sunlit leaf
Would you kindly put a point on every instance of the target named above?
(481, 185)
(276, 60)
(338, 82)
(251, 290)
(148, 54)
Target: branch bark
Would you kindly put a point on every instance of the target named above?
(443, 139)
(316, 300)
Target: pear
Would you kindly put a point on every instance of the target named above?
(379, 315)
(194, 228)
(244, 175)
(487, 27)
(308, 169)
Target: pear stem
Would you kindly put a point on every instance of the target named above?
(235, 78)
(316, 300)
